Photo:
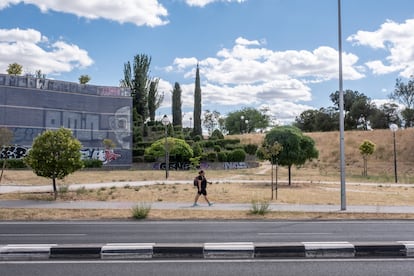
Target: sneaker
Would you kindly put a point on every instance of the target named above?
(195, 205)
(210, 203)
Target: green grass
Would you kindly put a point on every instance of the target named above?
(141, 210)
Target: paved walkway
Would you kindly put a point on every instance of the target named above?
(177, 205)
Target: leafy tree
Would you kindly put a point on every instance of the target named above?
(84, 79)
(385, 115)
(154, 99)
(246, 121)
(176, 147)
(15, 69)
(404, 93)
(6, 137)
(408, 115)
(39, 74)
(176, 105)
(357, 107)
(210, 120)
(297, 148)
(197, 130)
(55, 154)
(366, 148)
(136, 77)
(271, 152)
(217, 134)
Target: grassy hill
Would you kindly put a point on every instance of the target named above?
(380, 164)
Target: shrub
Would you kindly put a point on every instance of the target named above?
(212, 156)
(237, 155)
(141, 210)
(14, 164)
(222, 156)
(259, 207)
(92, 163)
(217, 148)
(197, 150)
(217, 134)
(251, 149)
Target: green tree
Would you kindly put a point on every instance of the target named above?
(55, 154)
(176, 147)
(84, 79)
(6, 137)
(197, 130)
(366, 148)
(154, 99)
(357, 107)
(385, 115)
(15, 69)
(404, 93)
(245, 121)
(210, 120)
(271, 152)
(136, 77)
(297, 148)
(176, 105)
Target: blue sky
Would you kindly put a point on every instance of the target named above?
(279, 54)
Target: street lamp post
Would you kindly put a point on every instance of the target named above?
(165, 121)
(241, 123)
(394, 128)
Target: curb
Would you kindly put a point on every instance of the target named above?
(227, 250)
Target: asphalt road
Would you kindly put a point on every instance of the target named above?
(203, 231)
(320, 267)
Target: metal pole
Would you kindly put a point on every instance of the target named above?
(395, 158)
(166, 153)
(341, 113)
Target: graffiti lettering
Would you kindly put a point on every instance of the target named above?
(13, 152)
(235, 165)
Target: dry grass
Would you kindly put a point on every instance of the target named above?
(309, 184)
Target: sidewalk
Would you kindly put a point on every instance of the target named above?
(175, 205)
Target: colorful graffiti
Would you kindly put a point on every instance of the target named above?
(106, 156)
(235, 165)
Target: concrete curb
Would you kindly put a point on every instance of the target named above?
(230, 250)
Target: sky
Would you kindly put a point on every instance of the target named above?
(281, 55)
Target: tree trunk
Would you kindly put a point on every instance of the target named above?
(289, 173)
(2, 169)
(54, 187)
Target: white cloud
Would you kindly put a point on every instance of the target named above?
(251, 75)
(34, 51)
(148, 12)
(395, 39)
(202, 3)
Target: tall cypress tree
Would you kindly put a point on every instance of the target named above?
(176, 105)
(154, 99)
(197, 105)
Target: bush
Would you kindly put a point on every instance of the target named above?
(260, 207)
(217, 134)
(237, 155)
(141, 210)
(92, 163)
(217, 148)
(222, 156)
(14, 164)
(251, 149)
(197, 150)
(197, 138)
(212, 156)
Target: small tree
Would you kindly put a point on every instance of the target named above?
(15, 69)
(55, 154)
(271, 152)
(297, 147)
(84, 79)
(366, 148)
(6, 137)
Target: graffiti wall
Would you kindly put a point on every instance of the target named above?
(29, 106)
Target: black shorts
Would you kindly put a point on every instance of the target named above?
(203, 191)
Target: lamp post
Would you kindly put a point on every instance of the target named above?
(165, 121)
(241, 122)
(394, 128)
(247, 126)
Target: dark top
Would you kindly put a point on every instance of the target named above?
(203, 181)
